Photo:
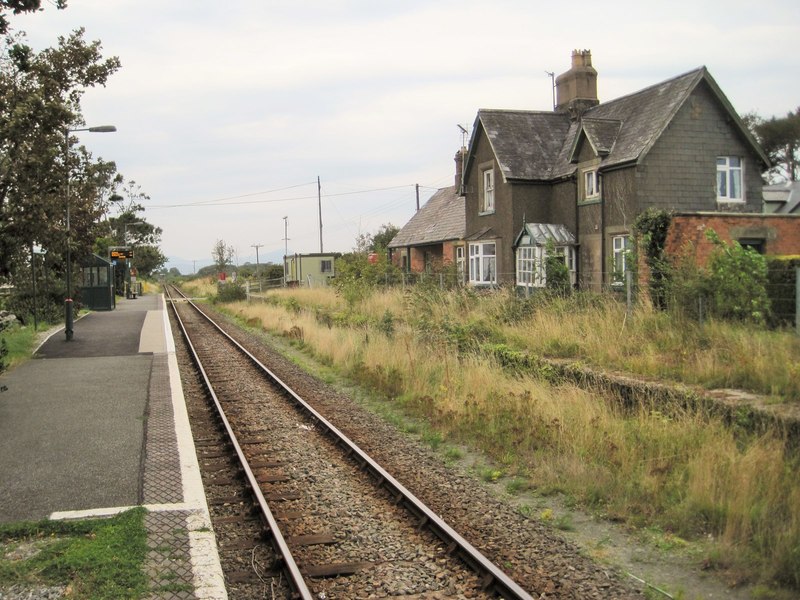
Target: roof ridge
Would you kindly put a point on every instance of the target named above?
(699, 71)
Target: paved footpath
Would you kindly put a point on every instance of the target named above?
(94, 426)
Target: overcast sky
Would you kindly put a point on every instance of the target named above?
(228, 111)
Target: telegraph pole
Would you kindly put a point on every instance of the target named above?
(319, 202)
(257, 246)
(285, 246)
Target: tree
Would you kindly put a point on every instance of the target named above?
(22, 6)
(385, 234)
(780, 139)
(222, 255)
(377, 242)
(39, 101)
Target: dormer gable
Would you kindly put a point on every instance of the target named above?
(601, 134)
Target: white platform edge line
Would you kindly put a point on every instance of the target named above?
(110, 511)
(208, 578)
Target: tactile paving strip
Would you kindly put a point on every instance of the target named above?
(168, 562)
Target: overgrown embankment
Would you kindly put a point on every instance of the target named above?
(466, 363)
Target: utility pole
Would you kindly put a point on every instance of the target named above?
(257, 246)
(417, 186)
(285, 246)
(319, 202)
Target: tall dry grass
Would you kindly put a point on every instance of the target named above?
(686, 473)
(201, 287)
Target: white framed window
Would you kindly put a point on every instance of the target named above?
(326, 266)
(460, 262)
(591, 184)
(729, 179)
(619, 259)
(532, 264)
(483, 263)
(487, 199)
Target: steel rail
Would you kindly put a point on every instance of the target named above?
(296, 580)
(494, 579)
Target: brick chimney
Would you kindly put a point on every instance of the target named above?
(459, 158)
(576, 90)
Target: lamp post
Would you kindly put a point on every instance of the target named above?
(68, 300)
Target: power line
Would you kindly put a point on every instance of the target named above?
(223, 201)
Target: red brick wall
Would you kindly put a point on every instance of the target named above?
(781, 233)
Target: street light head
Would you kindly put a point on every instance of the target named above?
(102, 129)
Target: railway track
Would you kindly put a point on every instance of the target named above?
(315, 516)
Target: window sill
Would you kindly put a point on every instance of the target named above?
(588, 201)
(488, 212)
(730, 201)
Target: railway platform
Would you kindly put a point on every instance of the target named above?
(97, 425)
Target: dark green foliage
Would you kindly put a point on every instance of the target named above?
(782, 289)
(22, 6)
(357, 276)
(651, 228)
(49, 302)
(556, 271)
(780, 139)
(737, 282)
(386, 324)
(230, 292)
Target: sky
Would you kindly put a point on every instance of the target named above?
(229, 112)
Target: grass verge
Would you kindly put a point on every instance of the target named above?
(97, 559)
(683, 472)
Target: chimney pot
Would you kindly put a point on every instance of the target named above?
(576, 90)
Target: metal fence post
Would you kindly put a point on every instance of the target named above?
(629, 291)
(700, 309)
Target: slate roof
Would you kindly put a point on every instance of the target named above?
(526, 143)
(442, 218)
(788, 194)
(541, 146)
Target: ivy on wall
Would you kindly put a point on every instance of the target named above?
(650, 231)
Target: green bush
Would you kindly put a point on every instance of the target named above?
(738, 282)
(230, 292)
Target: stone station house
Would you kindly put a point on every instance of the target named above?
(578, 176)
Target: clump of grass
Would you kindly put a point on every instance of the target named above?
(19, 342)
(101, 559)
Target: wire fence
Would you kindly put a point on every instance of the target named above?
(691, 300)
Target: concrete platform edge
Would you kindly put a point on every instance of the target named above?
(208, 578)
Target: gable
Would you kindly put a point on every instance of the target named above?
(442, 218)
(525, 144)
(599, 134)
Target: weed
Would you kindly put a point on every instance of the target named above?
(490, 475)
(516, 486)
(453, 454)
(564, 523)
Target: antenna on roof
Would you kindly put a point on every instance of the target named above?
(552, 76)
(464, 134)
